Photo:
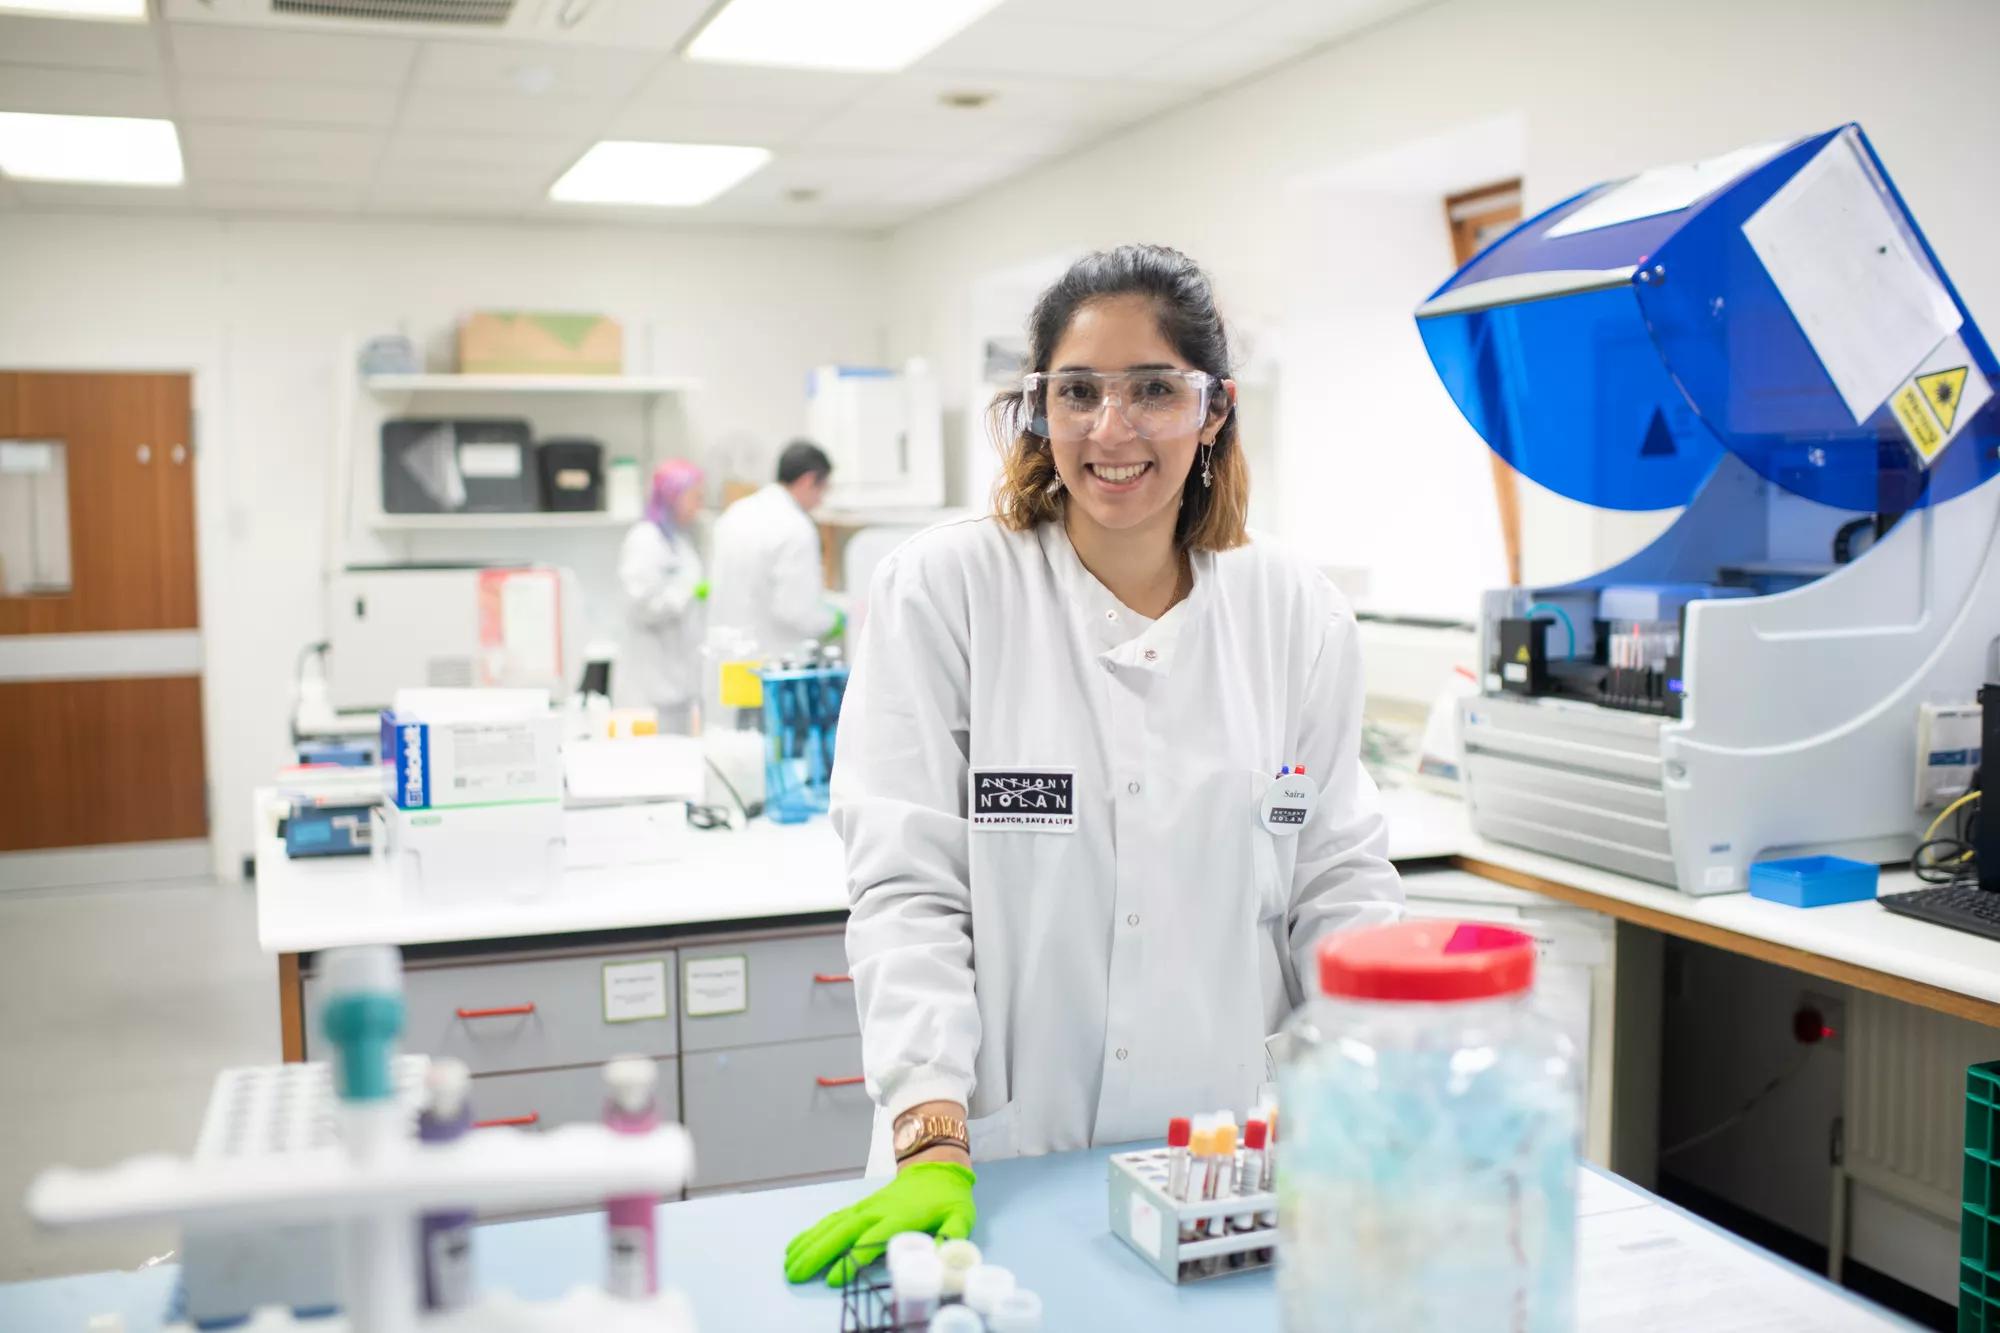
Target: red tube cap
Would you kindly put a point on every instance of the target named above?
(1253, 1135)
(1427, 960)
(1177, 1132)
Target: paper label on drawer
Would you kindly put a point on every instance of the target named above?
(635, 991)
(1143, 1221)
(712, 987)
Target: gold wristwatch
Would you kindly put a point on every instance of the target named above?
(917, 1133)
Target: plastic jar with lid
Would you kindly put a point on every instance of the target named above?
(1427, 1173)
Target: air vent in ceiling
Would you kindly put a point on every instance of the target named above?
(453, 13)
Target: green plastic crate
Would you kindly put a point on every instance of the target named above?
(1979, 1230)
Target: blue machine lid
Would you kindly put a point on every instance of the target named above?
(1778, 303)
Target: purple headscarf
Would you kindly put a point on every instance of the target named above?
(671, 480)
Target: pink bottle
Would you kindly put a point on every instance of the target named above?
(631, 1108)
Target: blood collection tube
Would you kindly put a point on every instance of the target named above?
(1178, 1131)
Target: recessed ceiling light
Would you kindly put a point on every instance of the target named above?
(661, 175)
(872, 36)
(129, 10)
(96, 150)
(965, 101)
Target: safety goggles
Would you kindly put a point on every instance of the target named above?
(1156, 404)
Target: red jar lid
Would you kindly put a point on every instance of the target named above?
(1427, 960)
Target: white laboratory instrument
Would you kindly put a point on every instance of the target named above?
(1767, 340)
(884, 430)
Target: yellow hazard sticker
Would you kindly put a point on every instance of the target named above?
(1940, 398)
(1943, 390)
(1926, 436)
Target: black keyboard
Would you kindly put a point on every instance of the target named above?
(1968, 909)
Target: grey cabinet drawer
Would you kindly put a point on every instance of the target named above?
(764, 1112)
(558, 1097)
(796, 989)
(539, 1014)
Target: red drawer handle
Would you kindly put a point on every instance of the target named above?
(504, 1011)
(847, 1082)
(830, 978)
(531, 1118)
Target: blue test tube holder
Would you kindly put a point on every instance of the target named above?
(801, 713)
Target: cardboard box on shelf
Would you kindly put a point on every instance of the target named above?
(517, 342)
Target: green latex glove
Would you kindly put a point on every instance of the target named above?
(701, 591)
(930, 1196)
(839, 629)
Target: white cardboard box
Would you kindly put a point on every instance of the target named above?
(473, 854)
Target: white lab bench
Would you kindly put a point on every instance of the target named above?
(516, 987)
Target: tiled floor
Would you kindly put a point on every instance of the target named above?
(120, 1004)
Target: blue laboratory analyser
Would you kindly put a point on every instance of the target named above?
(1766, 343)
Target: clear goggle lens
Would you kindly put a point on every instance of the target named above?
(1068, 404)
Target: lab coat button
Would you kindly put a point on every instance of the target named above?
(1132, 920)
(1152, 654)
(1132, 787)
(1109, 665)
(1111, 615)
(1121, 1052)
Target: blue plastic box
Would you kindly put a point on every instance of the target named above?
(1813, 881)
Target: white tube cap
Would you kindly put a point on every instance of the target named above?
(959, 1258)
(445, 1083)
(632, 1080)
(985, 1285)
(363, 969)
(956, 1319)
(908, 1244)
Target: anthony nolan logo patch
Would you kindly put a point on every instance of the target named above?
(1036, 799)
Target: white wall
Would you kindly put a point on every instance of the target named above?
(258, 309)
(1600, 90)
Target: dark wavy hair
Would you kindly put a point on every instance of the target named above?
(1211, 517)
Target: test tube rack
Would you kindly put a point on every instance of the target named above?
(1150, 1220)
(259, 1112)
(496, 1169)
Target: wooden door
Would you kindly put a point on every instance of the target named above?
(109, 726)
(1477, 218)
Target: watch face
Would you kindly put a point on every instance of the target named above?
(907, 1134)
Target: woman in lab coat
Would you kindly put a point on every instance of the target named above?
(1082, 897)
(659, 571)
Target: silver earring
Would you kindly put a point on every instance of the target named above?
(1207, 480)
(1055, 484)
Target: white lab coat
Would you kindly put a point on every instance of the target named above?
(660, 666)
(768, 577)
(1082, 986)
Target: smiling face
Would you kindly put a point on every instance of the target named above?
(1117, 479)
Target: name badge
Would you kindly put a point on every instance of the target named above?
(1288, 803)
(1032, 800)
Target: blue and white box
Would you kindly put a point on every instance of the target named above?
(453, 749)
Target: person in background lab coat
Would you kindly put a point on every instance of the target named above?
(659, 571)
(1081, 896)
(768, 575)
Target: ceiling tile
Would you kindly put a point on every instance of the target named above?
(236, 152)
(1170, 15)
(1012, 99)
(714, 122)
(514, 113)
(458, 201)
(956, 180)
(1313, 22)
(433, 177)
(39, 41)
(280, 198)
(933, 129)
(292, 101)
(209, 50)
(1001, 44)
(462, 152)
(83, 92)
(568, 72)
(684, 81)
(57, 195)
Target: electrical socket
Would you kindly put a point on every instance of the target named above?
(1832, 1011)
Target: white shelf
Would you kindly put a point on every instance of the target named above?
(495, 522)
(644, 386)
